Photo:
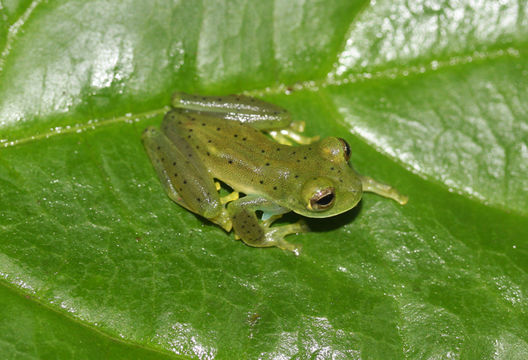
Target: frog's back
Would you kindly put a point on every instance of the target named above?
(213, 135)
(235, 153)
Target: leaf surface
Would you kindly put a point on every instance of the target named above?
(95, 258)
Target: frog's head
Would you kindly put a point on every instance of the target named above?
(335, 186)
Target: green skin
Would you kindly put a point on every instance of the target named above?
(207, 138)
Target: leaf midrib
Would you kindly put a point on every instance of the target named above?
(308, 85)
(313, 85)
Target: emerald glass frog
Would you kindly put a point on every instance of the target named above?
(246, 144)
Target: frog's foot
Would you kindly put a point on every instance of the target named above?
(274, 236)
(298, 126)
(223, 220)
(267, 221)
(230, 197)
(292, 134)
(371, 185)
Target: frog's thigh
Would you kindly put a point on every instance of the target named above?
(186, 182)
(247, 226)
(246, 109)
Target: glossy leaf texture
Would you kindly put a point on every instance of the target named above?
(95, 259)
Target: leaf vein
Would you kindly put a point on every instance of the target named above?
(14, 30)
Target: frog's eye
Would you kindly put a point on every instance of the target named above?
(346, 148)
(322, 199)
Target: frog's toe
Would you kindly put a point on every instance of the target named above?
(401, 199)
(294, 248)
(280, 138)
(298, 126)
(286, 136)
(275, 236)
(223, 220)
(302, 226)
(269, 219)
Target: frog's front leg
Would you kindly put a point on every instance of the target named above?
(371, 185)
(259, 234)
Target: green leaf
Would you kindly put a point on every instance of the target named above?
(95, 259)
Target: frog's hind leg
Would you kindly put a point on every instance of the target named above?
(259, 234)
(245, 109)
(186, 182)
(259, 114)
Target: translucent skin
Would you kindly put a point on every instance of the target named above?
(207, 138)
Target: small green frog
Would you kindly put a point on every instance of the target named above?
(206, 138)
